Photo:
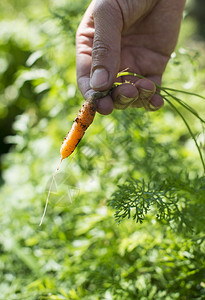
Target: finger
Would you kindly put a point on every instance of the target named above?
(105, 105)
(147, 97)
(84, 42)
(124, 95)
(157, 102)
(106, 44)
(146, 89)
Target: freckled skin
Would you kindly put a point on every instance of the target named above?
(83, 120)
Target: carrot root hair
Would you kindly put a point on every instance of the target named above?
(49, 191)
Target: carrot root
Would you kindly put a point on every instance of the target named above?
(83, 120)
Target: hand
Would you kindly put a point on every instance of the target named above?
(118, 34)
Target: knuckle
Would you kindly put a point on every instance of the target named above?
(100, 50)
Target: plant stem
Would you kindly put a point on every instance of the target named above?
(189, 129)
(182, 103)
(182, 91)
(185, 105)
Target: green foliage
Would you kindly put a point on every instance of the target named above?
(146, 163)
(172, 201)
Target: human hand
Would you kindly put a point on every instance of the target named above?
(118, 34)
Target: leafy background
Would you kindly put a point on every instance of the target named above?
(127, 211)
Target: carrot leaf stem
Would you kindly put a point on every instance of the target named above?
(188, 127)
(178, 100)
(185, 105)
(126, 73)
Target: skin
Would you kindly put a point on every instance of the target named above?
(118, 34)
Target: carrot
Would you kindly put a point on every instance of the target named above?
(83, 120)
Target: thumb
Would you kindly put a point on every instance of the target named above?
(108, 24)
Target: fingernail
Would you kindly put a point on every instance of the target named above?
(99, 78)
(153, 108)
(146, 94)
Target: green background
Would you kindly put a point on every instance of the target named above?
(81, 251)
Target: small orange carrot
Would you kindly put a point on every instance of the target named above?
(83, 120)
